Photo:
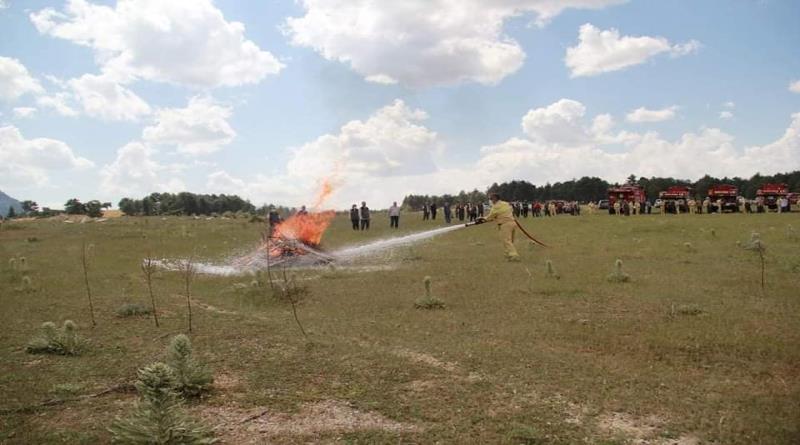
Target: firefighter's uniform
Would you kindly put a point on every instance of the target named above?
(503, 215)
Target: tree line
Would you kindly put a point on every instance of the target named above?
(185, 203)
(588, 189)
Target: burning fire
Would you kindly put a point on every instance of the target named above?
(307, 228)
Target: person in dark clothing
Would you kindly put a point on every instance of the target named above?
(446, 209)
(472, 211)
(363, 213)
(433, 211)
(354, 217)
(480, 210)
(273, 219)
(426, 212)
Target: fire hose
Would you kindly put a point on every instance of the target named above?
(522, 229)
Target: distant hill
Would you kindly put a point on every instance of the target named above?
(6, 202)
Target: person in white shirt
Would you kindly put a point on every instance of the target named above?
(394, 216)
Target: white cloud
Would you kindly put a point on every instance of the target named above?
(135, 172)
(59, 102)
(559, 123)
(725, 115)
(729, 104)
(24, 112)
(200, 128)
(422, 43)
(642, 114)
(103, 98)
(30, 160)
(222, 182)
(601, 51)
(185, 42)
(693, 155)
(4, 4)
(392, 142)
(794, 87)
(15, 80)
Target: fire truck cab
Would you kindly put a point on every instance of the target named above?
(727, 195)
(626, 193)
(769, 194)
(675, 198)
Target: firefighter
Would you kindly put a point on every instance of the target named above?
(502, 214)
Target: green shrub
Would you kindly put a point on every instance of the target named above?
(52, 340)
(618, 276)
(428, 301)
(191, 378)
(133, 310)
(159, 417)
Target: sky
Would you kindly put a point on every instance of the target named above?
(268, 99)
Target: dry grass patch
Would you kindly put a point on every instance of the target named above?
(255, 425)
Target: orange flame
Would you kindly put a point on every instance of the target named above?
(308, 228)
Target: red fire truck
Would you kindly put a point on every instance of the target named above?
(626, 193)
(770, 193)
(727, 194)
(674, 198)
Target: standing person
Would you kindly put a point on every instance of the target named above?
(354, 216)
(447, 215)
(481, 209)
(503, 215)
(426, 212)
(363, 214)
(473, 212)
(394, 216)
(433, 211)
(302, 211)
(273, 219)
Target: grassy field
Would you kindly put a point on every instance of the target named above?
(690, 350)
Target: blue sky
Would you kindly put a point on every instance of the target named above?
(384, 100)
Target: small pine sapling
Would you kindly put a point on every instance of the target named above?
(85, 253)
(713, 233)
(132, 310)
(27, 284)
(618, 276)
(530, 280)
(756, 245)
(791, 234)
(191, 377)
(550, 270)
(52, 340)
(188, 270)
(159, 416)
(290, 291)
(23, 264)
(148, 270)
(428, 301)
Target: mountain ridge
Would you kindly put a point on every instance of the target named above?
(6, 202)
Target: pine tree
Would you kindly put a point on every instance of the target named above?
(191, 378)
(159, 417)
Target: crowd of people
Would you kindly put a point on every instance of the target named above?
(697, 206)
(360, 216)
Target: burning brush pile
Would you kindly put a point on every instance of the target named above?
(294, 241)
